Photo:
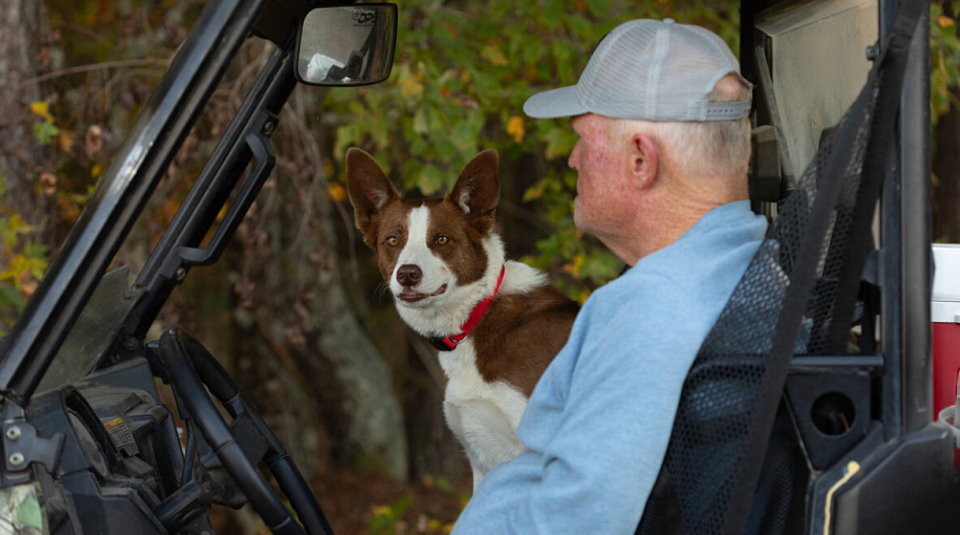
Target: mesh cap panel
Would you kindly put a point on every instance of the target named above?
(652, 70)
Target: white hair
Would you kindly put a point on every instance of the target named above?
(701, 148)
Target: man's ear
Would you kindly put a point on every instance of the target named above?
(477, 190)
(369, 189)
(645, 160)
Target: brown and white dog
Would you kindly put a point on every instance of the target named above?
(497, 323)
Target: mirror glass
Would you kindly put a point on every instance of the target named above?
(349, 45)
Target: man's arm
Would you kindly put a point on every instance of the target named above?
(598, 467)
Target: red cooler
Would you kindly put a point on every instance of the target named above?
(945, 315)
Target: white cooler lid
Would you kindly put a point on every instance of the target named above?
(945, 307)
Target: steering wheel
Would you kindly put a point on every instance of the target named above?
(190, 367)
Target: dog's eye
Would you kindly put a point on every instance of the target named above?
(392, 241)
(442, 240)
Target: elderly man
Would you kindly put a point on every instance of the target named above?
(664, 140)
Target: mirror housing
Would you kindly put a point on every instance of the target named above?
(346, 45)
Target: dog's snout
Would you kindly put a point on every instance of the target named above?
(409, 275)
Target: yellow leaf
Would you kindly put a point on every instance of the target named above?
(515, 128)
(448, 528)
(381, 510)
(24, 273)
(41, 108)
(337, 192)
(574, 268)
(409, 86)
(533, 193)
(66, 142)
(493, 55)
(96, 170)
(945, 22)
(9, 275)
(18, 225)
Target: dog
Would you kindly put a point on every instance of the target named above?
(497, 323)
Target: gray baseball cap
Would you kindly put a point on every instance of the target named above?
(649, 69)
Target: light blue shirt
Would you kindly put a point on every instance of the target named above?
(598, 422)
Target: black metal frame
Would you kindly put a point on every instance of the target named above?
(246, 138)
(123, 193)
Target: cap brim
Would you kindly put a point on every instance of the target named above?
(560, 102)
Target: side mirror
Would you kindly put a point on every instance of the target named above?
(347, 45)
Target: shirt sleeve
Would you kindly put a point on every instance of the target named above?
(595, 474)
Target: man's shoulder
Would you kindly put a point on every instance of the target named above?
(688, 280)
(641, 293)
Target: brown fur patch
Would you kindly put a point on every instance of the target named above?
(393, 221)
(463, 253)
(521, 334)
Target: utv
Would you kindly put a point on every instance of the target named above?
(808, 409)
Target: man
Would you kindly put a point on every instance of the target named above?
(664, 141)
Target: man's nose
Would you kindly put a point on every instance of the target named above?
(574, 160)
(409, 275)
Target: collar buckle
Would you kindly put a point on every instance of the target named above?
(442, 344)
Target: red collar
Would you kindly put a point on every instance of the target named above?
(450, 342)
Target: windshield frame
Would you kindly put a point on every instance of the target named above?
(123, 192)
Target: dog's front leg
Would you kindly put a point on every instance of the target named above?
(451, 411)
(489, 437)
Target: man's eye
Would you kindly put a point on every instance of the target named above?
(392, 241)
(442, 240)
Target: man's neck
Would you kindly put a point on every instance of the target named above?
(663, 218)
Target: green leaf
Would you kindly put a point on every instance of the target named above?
(431, 180)
(420, 125)
(560, 141)
(11, 298)
(45, 132)
(580, 26)
(552, 13)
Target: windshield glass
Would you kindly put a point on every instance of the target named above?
(94, 330)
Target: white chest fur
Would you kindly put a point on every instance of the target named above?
(483, 416)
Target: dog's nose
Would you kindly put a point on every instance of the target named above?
(409, 275)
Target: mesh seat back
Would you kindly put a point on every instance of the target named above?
(796, 297)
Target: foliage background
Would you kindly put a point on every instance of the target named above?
(463, 70)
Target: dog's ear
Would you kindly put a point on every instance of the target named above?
(477, 190)
(369, 188)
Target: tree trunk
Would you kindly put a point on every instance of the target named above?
(946, 167)
(22, 155)
(326, 384)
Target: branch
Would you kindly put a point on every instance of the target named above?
(96, 67)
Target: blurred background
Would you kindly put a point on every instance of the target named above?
(295, 309)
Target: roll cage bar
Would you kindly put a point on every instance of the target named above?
(137, 169)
